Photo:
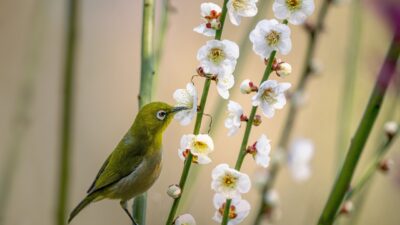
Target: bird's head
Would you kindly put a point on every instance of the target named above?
(156, 116)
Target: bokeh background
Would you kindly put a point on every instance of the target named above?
(107, 84)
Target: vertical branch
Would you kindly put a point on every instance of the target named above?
(161, 36)
(245, 47)
(347, 97)
(242, 151)
(313, 35)
(147, 55)
(197, 125)
(146, 87)
(67, 110)
(21, 121)
(361, 135)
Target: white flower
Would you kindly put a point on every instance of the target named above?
(246, 86)
(284, 69)
(262, 149)
(210, 12)
(241, 8)
(224, 83)
(185, 219)
(300, 154)
(271, 96)
(229, 182)
(270, 35)
(218, 57)
(187, 98)
(233, 122)
(239, 209)
(199, 145)
(295, 11)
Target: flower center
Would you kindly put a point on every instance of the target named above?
(293, 4)
(239, 4)
(216, 55)
(232, 211)
(272, 38)
(201, 147)
(213, 20)
(229, 180)
(269, 96)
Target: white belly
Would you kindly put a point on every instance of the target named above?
(137, 182)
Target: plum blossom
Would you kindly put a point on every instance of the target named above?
(301, 152)
(185, 219)
(224, 83)
(210, 13)
(247, 86)
(241, 8)
(271, 96)
(199, 145)
(234, 119)
(270, 35)
(295, 11)
(238, 210)
(261, 151)
(229, 182)
(186, 98)
(218, 57)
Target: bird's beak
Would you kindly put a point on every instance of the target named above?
(180, 108)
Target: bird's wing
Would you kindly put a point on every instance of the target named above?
(117, 166)
(98, 174)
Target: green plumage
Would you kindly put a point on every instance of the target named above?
(135, 164)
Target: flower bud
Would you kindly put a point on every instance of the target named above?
(283, 69)
(271, 198)
(174, 191)
(257, 120)
(391, 128)
(200, 72)
(385, 165)
(246, 87)
(347, 208)
(244, 118)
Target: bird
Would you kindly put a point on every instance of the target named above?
(135, 163)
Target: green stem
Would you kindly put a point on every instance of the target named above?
(147, 73)
(367, 176)
(361, 135)
(67, 109)
(161, 36)
(347, 97)
(197, 126)
(147, 53)
(359, 200)
(21, 121)
(243, 146)
(283, 142)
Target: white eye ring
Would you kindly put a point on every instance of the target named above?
(161, 115)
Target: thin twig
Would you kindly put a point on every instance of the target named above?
(361, 135)
(67, 110)
(197, 126)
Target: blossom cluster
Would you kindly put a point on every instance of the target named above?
(217, 62)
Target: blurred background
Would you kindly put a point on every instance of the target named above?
(105, 104)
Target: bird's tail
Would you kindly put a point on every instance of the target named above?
(86, 201)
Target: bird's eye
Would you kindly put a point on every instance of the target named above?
(161, 115)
